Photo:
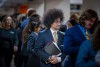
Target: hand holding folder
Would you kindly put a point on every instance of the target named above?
(52, 49)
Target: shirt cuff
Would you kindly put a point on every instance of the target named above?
(59, 59)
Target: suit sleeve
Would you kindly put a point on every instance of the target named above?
(84, 59)
(39, 48)
(68, 43)
(30, 44)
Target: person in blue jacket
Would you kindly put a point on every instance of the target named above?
(35, 26)
(76, 35)
(88, 50)
(27, 43)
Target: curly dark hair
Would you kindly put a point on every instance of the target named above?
(51, 16)
(96, 38)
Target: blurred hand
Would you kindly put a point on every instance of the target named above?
(15, 48)
(53, 59)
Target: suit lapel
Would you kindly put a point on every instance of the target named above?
(50, 37)
(33, 34)
(59, 40)
(49, 34)
(79, 32)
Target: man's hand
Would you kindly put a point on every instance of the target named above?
(53, 59)
(15, 48)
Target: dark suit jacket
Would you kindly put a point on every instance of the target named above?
(33, 60)
(72, 41)
(44, 38)
(31, 42)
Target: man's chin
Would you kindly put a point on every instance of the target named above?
(89, 27)
(57, 28)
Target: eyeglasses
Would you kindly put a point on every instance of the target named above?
(8, 19)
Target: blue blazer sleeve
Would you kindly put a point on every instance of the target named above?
(39, 48)
(30, 44)
(68, 42)
(84, 59)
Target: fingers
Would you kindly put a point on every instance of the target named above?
(54, 59)
(15, 48)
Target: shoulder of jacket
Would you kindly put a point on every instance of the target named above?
(62, 32)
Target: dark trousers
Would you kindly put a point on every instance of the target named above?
(17, 54)
(23, 60)
(17, 59)
(2, 62)
(5, 59)
(33, 61)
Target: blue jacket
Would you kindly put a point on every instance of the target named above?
(25, 22)
(86, 55)
(44, 38)
(72, 41)
(33, 60)
(31, 42)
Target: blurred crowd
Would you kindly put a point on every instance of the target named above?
(24, 37)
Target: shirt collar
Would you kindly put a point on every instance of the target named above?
(52, 31)
(36, 33)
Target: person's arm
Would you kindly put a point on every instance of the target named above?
(68, 43)
(83, 58)
(38, 49)
(15, 41)
(30, 44)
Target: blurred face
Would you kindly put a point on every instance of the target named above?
(89, 23)
(56, 24)
(8, 21)
(38, 29)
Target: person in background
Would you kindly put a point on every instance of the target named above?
(20, 18)
(30, 12)
(76, 35)
(8, 41)
(35, 27)
(63, 28)
(74, 19)
(89, 49)
(25, 44)
(52, 20)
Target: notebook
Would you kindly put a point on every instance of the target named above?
(52, 49)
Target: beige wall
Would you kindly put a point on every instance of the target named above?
(39, 7)
(43, 5)
(6, 11)
(76, 1)
(91, 4)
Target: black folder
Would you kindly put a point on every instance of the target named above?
(52, 49)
